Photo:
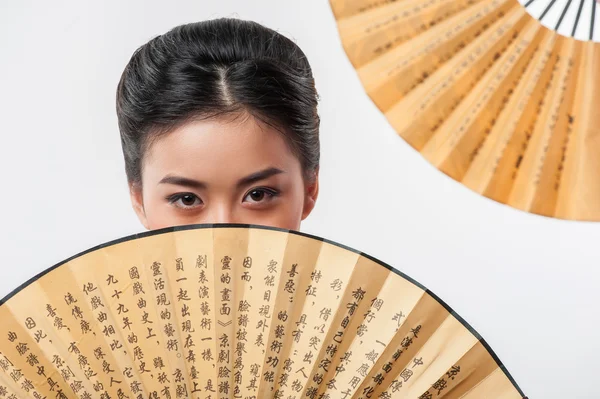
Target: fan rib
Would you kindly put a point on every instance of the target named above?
(541, 18)
(332, 350)
(419, 115)
(501, 151)
(534, 188)
(397, 73)
(562, 16)
(375, 33)
(581, 160)
(593, 19)
(465, 130)
(581, 3)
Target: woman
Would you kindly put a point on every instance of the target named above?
(219, 124)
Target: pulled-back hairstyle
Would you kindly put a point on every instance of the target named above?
(212, 68)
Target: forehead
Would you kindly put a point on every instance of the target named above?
(220, 147)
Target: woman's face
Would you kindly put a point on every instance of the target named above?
(223, 171)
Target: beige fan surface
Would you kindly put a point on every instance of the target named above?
(237, 311)
(488, 93)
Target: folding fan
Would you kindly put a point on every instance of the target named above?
(504, 100)
(237, 311)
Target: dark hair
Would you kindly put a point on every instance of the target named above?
(211, 68)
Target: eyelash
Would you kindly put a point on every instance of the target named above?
(176, 197)
(268, 191)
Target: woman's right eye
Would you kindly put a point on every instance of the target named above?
(185, 200)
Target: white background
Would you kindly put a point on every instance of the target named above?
(528, 284)
(552, 10)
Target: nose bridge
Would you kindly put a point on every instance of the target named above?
(220, 212)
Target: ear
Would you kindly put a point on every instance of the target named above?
(137, 201)
(311, 194)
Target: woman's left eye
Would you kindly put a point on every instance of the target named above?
(259, 195)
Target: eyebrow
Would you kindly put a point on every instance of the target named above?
(258, 176)
(245, 181)
(182, 181)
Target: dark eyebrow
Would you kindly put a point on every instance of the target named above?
(183, 181)
(260, 175)
(253, 178)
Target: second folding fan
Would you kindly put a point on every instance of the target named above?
(494, 97)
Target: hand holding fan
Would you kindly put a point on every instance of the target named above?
(488, 94)
(237, 311)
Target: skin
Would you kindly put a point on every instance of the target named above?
(223, 170)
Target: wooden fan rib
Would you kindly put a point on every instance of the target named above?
(7, 387)
(392, 76)
(141, 274)
(230, 248)
(535, 181)
(582, 16)
(563, 130)
(577, 18)
(369, 36)
(454, 361)
(419, 114)
(14, 367)
(161, 345)
(579, 193)
(508, 166)
(473, 368)
(378, 19)
(419, 326)
(332, 319)
(261, 294)
(298, 263)
(335, 356)
(191, 277)
(11, 379)
(371, 328)
(104, 346)
(490, 173)
(439, 353)
(450, 346)
(456, 143)
(593, 20)
(375, 22)
(562, 15)
(74, 310)
(291, 297)
(347, 8)
(547, 10)
(496, 383)
(64, 339)
(117, 310)
(240, 271)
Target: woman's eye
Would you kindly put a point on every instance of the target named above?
(259, 195)
(185, 201)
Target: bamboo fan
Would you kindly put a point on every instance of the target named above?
(494, 93)
(237, 311)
